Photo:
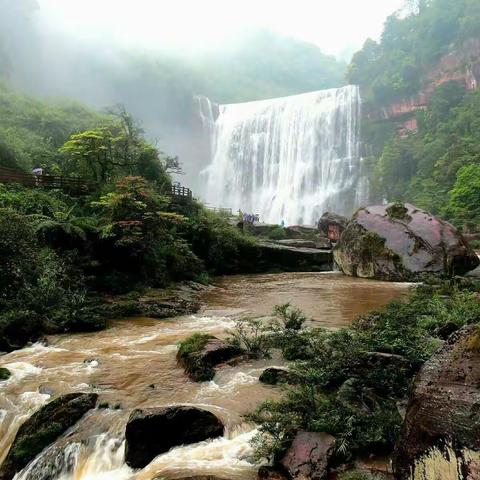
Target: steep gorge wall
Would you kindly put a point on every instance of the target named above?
(461, 64)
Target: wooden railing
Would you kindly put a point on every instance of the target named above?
(221, 210)
(71, 185)
(181, 193)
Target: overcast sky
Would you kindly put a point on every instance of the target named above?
(335, 26)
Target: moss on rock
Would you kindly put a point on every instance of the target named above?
(4, 374)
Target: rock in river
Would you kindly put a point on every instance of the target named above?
(440, 438)
(153, 431)
(309, 455)
(43, 428)
(4, 374)
(199, 353)
(276, 375)
(398, 242)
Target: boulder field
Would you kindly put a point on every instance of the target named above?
(399, 242)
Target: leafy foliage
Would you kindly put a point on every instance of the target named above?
(350, 380)
(436, 169)
(410, 45)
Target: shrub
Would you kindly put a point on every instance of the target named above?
(18, 252)
(18, 327)
(349, 380)
(254, 336)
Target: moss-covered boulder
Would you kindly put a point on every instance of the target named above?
(440, 438)
(43, 428)
(200, 353)
(276, 375)
(5, 374)
(398, 242)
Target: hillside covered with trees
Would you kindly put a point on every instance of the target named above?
(435, 163)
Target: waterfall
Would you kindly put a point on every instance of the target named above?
(289, 158)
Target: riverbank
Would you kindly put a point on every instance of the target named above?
(133, 364)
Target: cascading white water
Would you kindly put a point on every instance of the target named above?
(289, 158)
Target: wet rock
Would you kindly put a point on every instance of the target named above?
(442, 424)
(275, 375)
(332, 225)
(184, 299)
(261, 229)
(199, 354)
(309, 455)
(398, 242)
(4, 374)
(272, 473)
(297, 243)
(304, 232)
(92, 362)
(45, 390)
(18, 328)
(43, 428)
(273, 256)
(323, 243)
(153, 431)
(474, 274)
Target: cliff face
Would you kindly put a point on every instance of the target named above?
(440, 437)
(460, 64)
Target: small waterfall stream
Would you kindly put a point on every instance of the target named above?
(133, 364)
(290, 158)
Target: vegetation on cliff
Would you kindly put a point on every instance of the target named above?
(437, 167)
(410, 45)
(435, 164)
(60, 252)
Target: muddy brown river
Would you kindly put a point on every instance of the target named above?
(132, 365)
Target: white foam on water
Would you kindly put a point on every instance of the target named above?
(21, 370)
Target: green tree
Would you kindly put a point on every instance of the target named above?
(465, 197)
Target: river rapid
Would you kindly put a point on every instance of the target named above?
(133, 364)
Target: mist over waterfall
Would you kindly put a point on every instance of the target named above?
(289, 158)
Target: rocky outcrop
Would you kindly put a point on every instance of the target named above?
(309, 455)
(183, 299)
(318, 242)
(272, 473)
(199, 354)
(43, 428)
(273, 256)
(332, 225)
(399, 242)
(301, 232)
(154, 431)
(276, 375)
(461, 65)
(441, 433)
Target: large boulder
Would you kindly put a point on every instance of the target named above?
(309, 455)
(154, 431)
(398, 242)
(43, 428)
(332, 225)
(440, 438)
